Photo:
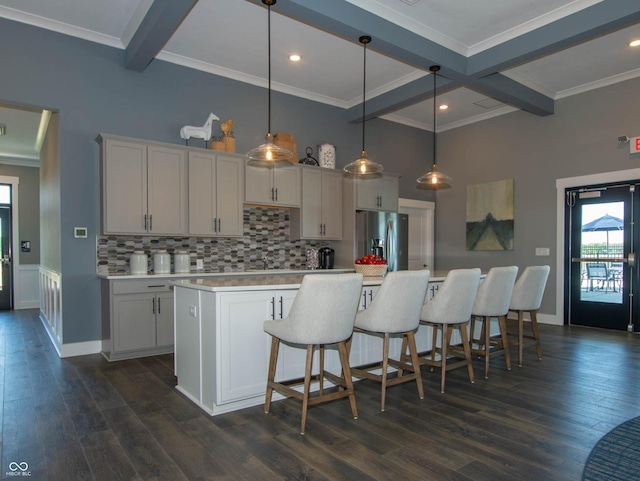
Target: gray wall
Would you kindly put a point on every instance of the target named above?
(28, 208)
(579, 139)
(93, 93)
(89, 87)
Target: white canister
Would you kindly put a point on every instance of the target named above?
(181, 262)
(327, 156)
(138, 263)
(161, 262)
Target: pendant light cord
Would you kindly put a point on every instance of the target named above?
(364, 89)
(269, 69)
(434, 117)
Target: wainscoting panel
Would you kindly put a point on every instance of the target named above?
(27, 293)
(51, 304)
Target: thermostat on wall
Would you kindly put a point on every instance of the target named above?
(80, 232)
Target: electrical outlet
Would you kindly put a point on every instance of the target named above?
(199, 264)
(193, 311)
(542, 251)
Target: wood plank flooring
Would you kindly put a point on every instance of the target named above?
(86, 419)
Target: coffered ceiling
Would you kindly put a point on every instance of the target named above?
(497, 56)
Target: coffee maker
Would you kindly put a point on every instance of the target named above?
(327, 256)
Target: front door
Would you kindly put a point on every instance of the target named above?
(6, 265)
(602, 223)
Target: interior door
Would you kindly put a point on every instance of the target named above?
(602, 226)
(6, 282)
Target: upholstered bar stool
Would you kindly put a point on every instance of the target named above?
(323, 312)
(395, 309)
(527, 297)
(492, 300)
(450, 309)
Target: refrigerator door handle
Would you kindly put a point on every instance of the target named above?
(387, 245)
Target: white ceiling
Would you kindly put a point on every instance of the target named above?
(228, 38)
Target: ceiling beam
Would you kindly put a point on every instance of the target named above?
(404, 96)
(600, 19)
(161, 21)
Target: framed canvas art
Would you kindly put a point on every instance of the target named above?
(490, 216)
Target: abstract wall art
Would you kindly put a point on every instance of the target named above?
(490, 216)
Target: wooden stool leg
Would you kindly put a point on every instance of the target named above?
(403, 354)
(411, 340)
(321, 379)
(434, 342)
(505, 341)
(271, 374)
(472, 328)
(536, 332)
(346, 369)
(307, 387)
(443, 353)
(520, 337)
(486, 328)
(467, 351)
(385, 363)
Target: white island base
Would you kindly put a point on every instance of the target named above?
(222, 352)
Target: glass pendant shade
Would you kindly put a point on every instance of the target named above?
(269, 154)
(364, 167)
(434, 180)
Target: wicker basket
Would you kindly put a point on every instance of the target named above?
(371, 270)
(287, 141)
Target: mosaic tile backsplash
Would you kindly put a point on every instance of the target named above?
(266, 233)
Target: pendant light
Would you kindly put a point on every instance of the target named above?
(269, 154)
(434, 180)
(363, 166)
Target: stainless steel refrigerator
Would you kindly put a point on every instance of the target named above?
(385, 234)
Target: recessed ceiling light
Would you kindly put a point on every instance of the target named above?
(443, 107)
(295, 57)
(634, 43)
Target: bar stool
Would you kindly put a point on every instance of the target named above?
(450, 309)
(527, 297)
(395, 309)
(323, 312)
(492, 300)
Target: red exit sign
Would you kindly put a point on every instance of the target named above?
(634, 145)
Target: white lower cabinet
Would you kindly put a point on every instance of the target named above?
(137, 318)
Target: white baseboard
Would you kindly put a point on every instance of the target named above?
(80, 348)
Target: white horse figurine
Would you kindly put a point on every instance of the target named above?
(203, 132)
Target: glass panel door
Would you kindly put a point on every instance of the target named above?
(601, 245)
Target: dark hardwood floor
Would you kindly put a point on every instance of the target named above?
(86, 419)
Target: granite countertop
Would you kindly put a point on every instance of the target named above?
(264, 282)
(206, 275)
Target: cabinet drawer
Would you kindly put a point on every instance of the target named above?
(141, 286)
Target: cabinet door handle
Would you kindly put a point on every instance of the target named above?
(219, 225)
(273, 194)
(145, 222)
(273, 308)
(320, 229)
(158, 305)
(281, 308)
(153, 306)
(150, 222)
(325, 229)
(370, 295)
(364, 302)
(276, 194)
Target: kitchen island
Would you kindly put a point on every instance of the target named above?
(222, 352)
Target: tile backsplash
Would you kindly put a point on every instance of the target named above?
(266, 233)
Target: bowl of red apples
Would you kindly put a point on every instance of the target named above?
(371, 265)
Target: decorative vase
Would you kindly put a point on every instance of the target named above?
(327, 156)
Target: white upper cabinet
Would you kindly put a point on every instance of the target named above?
(216, 186)
(377, 194)
(272, 186)
(320, 215)
(144, 188)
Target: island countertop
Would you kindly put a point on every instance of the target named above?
(267, 281)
